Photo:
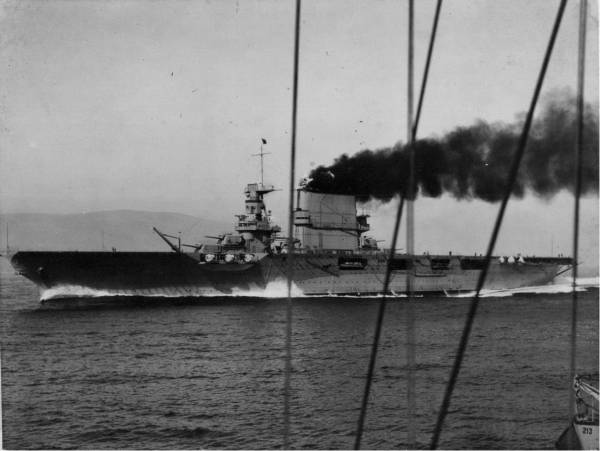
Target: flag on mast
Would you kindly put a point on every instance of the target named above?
(264, 141)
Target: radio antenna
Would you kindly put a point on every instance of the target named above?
(263, 142)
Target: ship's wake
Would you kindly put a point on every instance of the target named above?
(278, 289)
(562, 285)
(275, 289)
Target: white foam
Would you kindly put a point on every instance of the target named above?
(75, 291)
(560, 286)
(276, 289)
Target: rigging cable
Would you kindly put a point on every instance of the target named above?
(386, 283)
(511, 183)
(426, 70)
(578, 170)
(290, 240)
(410, 238)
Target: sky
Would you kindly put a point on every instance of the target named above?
(159, 105)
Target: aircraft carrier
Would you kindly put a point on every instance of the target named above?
(332, 256)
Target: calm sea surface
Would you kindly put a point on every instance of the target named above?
(209, 374)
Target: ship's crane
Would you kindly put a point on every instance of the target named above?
(176, 248)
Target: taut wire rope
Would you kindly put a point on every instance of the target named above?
(409, 319)
(383, 300)
(290, 241)
(578, 170)
(514, 169)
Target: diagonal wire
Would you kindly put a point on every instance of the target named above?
(382, 302)
(375, 346)
(290, 247)
(511, 183)
(578, 170)
(409, 315)
(426, 71)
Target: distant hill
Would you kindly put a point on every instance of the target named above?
(122, 229)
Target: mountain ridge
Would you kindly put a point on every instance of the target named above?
(101, 230)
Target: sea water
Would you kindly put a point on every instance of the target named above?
(190, 374)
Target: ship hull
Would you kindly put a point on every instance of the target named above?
(67, 274)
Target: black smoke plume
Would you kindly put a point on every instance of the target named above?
(474, 162)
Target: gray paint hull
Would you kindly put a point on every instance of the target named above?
(80, 274)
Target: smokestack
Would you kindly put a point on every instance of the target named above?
(473, 162)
